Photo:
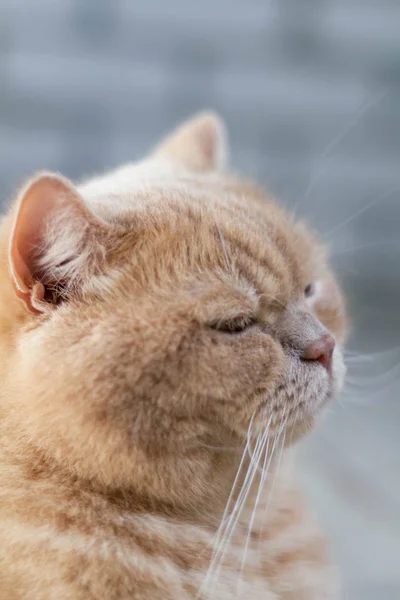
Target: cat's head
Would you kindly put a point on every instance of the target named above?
(160, 310)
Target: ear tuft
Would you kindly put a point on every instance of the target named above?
(200, 144)
(54, 241)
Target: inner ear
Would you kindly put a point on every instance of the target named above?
(54, 241)
(199, 144)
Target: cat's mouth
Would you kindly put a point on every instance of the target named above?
(301, 395)
(325, 386)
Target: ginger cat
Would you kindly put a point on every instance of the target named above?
(166, 334)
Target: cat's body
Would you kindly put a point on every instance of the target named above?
(77, 545)
(146, 332)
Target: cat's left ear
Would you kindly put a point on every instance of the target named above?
(199, 144)
(55, 242)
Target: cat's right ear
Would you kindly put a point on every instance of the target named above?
(200, 144)
(55, 241)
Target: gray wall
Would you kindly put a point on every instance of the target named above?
(310, 90)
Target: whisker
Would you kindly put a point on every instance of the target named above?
(367, 387)
(236, 480)
(364, 247)
(380, 378)
(351, 400)
(271, 491)
(375, 370)
(269, 456)
(250, 527)
(222, 240)
(220, 448)
(220, 533)
(317, 172)
(372, 356)
(360, 212)
(220, 552)
(246, 485)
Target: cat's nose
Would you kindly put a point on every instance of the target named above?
(321, 350)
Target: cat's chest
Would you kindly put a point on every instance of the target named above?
(237, 568)
(186, 562)
(195, 564)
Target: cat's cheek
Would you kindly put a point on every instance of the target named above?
(237, 366)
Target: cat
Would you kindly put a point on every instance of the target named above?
(167, 333)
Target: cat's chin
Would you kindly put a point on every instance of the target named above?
(335, 383)
(316, 409)
(300, 419)
(306, 420)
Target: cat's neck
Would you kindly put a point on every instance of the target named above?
(27, 467)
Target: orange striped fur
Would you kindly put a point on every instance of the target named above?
(152, 325)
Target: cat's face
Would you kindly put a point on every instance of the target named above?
(175, 307)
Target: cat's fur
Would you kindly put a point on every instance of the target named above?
(124, 408)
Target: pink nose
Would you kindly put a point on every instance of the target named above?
(320, 350)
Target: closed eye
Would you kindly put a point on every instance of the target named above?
(233, 325)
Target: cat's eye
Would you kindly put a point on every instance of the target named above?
(232, 326)
(309, 290)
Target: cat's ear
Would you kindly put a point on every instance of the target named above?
(200, 144)
(55, 241)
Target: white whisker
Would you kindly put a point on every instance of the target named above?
(271, 491)
(360, 212)
(255, 458)
(372, 356)
(341, 252)
(317, 172)
(235, 483)
(228, 529)
(265, 472)
(221, 530)
(222, 240)
(250, 527)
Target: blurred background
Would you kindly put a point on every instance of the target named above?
(310, 91)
